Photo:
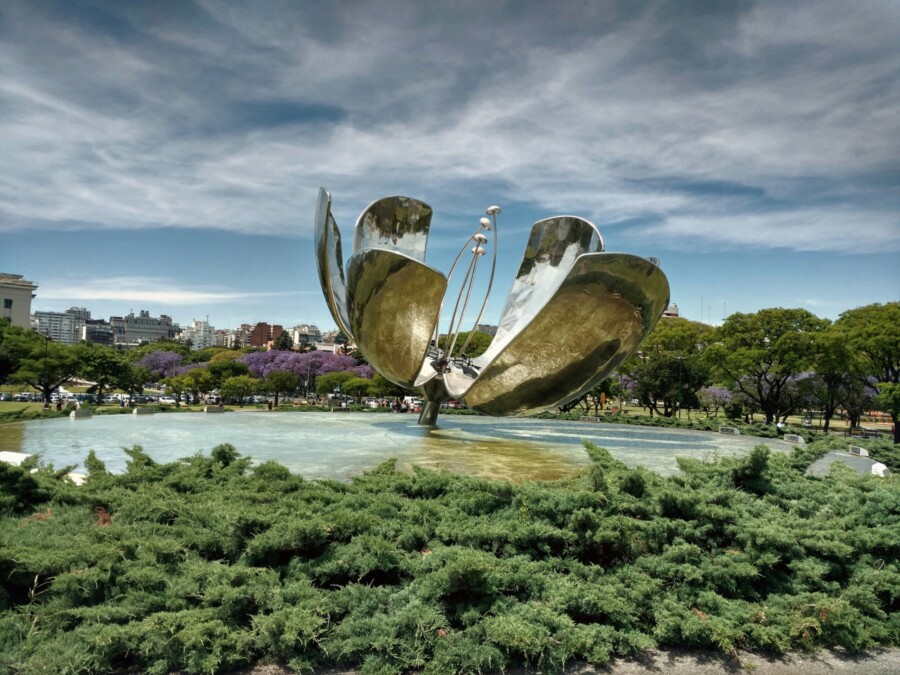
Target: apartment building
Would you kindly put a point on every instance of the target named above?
(16, 294)
(65, 327)
(131, 330)
(305, 334)
(200, 334)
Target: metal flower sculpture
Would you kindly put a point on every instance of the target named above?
(573, 314)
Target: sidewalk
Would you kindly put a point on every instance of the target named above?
(689, 662)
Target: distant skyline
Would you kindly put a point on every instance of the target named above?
(166, 155)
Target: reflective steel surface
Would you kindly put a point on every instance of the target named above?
(553, 247)
(331, 262)
(394, 223)
(573, 314)
(393, 302)
(606, 305)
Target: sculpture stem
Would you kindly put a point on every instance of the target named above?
(435, 393)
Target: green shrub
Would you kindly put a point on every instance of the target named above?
(207, 564)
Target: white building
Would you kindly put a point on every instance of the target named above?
(16, 294)
(201, 335)
(305, 334)
(66, 327)
(671, 312)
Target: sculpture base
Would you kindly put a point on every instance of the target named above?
(435, 393)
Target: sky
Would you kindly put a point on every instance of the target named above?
(167, 155)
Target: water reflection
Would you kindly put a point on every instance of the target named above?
(344, 445)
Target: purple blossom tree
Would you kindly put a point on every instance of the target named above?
(713, 398)
(307, 366)
(161, 363)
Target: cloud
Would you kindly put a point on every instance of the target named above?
(148, 290)
(801, 230)
(230, 117)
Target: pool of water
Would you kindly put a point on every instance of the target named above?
(342, 445)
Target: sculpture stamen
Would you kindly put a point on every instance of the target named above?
(443, 357)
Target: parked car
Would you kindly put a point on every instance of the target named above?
(167, 400)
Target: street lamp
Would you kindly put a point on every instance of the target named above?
(46, 379)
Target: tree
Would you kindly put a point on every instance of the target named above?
(888, 400)
(133, 378)
(859, 398)
(226, 355)
(677, 336)
(873, 334)
(223, 369)
(383, 387)
(326, 384)
(713, 398)
(104, 366)
(238, 387)
(284, 342)
(759, 353)
(205, 354)
(202, 381)
(666, 383)
(667, 369)
(41, 362)
(357, 386)
(163, 345)
(478, 343)
(15, 344)
(161, 363)
(177, 385)
(281, 382)
(832, 384)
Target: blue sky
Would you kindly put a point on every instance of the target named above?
(166, 155)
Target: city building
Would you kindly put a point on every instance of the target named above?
(487, 329)
(131, 330)
(16, 294)
(671, 312)
(264, 334)
(98, 332)
(305, 334)
(200, 335)
(223, 337)
(66, 327)
(240, 336)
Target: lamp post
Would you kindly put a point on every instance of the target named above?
(44, 386)
(680, 382)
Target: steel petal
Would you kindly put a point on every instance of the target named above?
(331, 262)
(553, 247)
(393, 302)
(597, 317)
(394, 223)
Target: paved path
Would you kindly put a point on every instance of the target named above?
(686, 662)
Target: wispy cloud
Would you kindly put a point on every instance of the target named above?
(771, 127)
(149, 290)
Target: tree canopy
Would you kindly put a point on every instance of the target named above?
(758, 354)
